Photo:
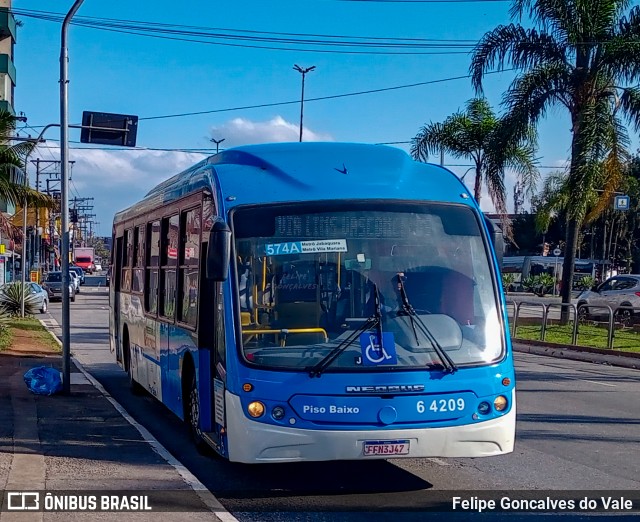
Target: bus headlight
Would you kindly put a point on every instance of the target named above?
(277, 413)
(500, 403)
(255, 409)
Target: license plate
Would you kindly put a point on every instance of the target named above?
(385, 447)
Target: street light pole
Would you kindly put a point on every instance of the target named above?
(217, 142)
(64, 189)
(303, 72)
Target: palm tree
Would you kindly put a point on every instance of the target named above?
(479, 135)
(13, 158)
(582, 55)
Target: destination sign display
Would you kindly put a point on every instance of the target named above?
(354, 225)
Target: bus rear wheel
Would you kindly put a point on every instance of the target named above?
(135, 387)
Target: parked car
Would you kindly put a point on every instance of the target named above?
(79, 272)
(36, 293)
(76, 281)
(618, 291)
(53, 285)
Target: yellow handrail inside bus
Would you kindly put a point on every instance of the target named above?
(285, 331)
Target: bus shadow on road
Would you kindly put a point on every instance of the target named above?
(321, 478)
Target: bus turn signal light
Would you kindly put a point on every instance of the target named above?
(506, 381)
(247, 387)
(255, 409)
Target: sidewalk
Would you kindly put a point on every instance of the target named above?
(82, 445)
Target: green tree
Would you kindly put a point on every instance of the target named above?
(580, 54)
(13, 158)
(482, 137)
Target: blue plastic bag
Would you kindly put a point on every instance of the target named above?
(43, 380)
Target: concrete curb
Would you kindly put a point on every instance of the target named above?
(579, 353)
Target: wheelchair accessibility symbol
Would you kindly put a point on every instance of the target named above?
(374, 353)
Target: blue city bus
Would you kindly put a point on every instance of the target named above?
(315, 302)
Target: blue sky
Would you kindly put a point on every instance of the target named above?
(149, 77)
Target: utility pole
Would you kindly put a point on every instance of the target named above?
(64, 182)
(303, 72)
(217, 142)
(51, 170)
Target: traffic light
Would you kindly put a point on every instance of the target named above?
(73, 215)
(109, 129)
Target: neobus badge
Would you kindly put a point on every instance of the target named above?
(392, 388)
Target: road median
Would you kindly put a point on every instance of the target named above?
(579, 353)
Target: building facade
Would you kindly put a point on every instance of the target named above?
(7, 68)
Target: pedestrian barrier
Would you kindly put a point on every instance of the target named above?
(572, 308)
(584, 316)
(519, 306)
(578, 315)
(510, 316)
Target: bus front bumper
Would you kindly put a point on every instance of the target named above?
(255, 442)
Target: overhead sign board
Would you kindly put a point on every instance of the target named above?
(106, 128)
(621, 203)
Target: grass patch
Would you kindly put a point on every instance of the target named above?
(5, 338)
(27, 331)
(590, 335)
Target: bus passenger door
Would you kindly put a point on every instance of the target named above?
(211, 338)
(116, 275)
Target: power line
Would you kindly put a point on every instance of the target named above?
(223, 36)
(320, 98)
(202, 31)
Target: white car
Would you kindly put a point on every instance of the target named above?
(98, 267)
(620, 294)
(75, 280)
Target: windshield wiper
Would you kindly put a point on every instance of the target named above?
(374, 321)
(408, 310)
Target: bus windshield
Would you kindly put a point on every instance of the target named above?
(307, 275)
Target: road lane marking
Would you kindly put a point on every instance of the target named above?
(555, 366)
(587, 380)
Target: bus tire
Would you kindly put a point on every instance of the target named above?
(136, 387)
(192, 410)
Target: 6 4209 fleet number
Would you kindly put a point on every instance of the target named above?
(441, 405)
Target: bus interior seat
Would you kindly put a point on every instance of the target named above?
(441, 290)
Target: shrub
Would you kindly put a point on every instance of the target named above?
(540, 285)
(586, 283)
(507, 281)
(10, 299)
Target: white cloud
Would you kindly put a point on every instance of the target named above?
(116, 179)
(240, 131)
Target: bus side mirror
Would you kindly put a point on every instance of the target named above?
(219, 251)
(497, 239)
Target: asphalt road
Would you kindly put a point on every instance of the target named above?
(578, 429)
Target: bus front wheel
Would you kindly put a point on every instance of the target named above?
(192, 413)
